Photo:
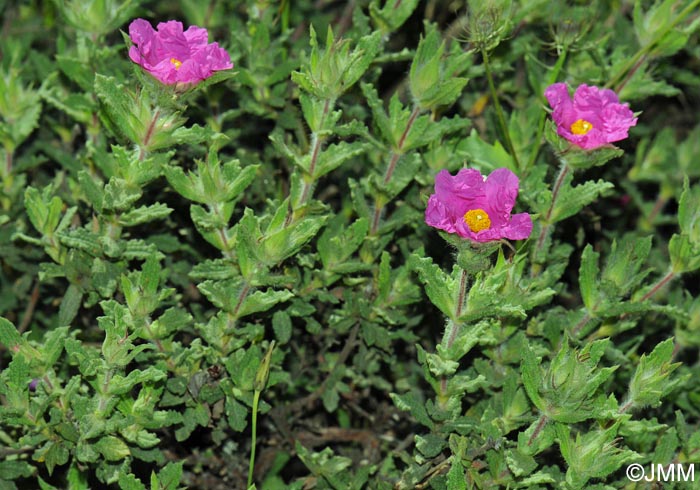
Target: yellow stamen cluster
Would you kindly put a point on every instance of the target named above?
(581, 127)
(176, 63)
(477, 220)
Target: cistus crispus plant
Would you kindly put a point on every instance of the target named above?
(375, 244)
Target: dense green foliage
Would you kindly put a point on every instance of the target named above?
(195, 275)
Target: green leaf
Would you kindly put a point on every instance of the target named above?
(144, 214)
(169, 477)
(651, 382)
(117, 105)
(484, 156)
(262, 301)
(44, 210)
(335, 155)
(14, 469)
(572, 199)
(9, 337)
(409, 402)
(333, 70)
(336, 243)
(430, 445)
(456, 479)
(282, 326)
(531, 373)
(685, 255)
(52, 454)
(622, 272)
(392, 15)
(440, 287)
(70, 304)
(127, 481)
(588, 278)
(689, 212)
(94, 191)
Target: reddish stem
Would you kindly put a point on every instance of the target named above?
(664, 280)
(540, 425)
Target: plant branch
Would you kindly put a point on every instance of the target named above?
(635, 61)
(555, 194)
(499, 110)
(316, 143)
(395, 156)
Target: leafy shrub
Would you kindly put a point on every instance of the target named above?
(230, 282)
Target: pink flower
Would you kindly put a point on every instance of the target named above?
(475, 208)
(593, 119)
(173, 56)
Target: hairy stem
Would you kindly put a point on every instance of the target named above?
(662, 282)
(395, 156)
(555, 194)
(241, 297)
(499, 110)
(149, 135)
(316, 143)
(540, 425)
(458, 309)
(454, 327)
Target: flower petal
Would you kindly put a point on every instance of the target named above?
(519, 228)
(196, 37)
(563, 108)
(438, 215)
(501, 191)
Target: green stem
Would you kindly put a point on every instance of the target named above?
(454, 331)
(553, 75)
(8, 162)
(634, 61)
(253, 437)
(499, 110)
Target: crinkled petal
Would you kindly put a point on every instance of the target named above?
(438, 215)
(212, 58)
(501, 191)
(197, 37)
(140, 31)
(562, 107)
(617, 119)
(461, 191)
(519, 228)
(189, 72)
(164, 71)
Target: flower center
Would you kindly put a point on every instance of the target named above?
(581, 127)
(176, 63)
(477, 220)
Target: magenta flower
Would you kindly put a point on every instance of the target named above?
(173, 56)
(593, 119)
(475, 208)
